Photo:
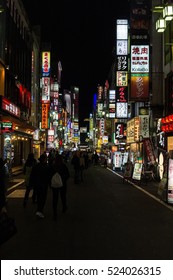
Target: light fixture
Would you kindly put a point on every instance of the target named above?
(168, 12)
(160, 25)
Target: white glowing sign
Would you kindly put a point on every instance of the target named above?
(121, 47)
(139, 58)
(45, 89)
(122, 31)
(121, 110)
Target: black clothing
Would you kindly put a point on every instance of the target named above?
(76, 164)
(64, 173)
(30, 162)
(40, 180)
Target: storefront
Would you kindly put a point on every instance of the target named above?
(16, 135)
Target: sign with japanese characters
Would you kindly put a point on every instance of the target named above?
(122, 47)
(121, 94)
(122, 78)
(117, 159)
(45, 64)
(122, 63)
(10, 107)
(170, 180)
(144, 126)
(139, 87)
(148, 146)
(46, 89)
(121, 110)
(45, 116)
(119, 130)
(137, 171)
(139, 58)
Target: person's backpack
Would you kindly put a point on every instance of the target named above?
(56, 181)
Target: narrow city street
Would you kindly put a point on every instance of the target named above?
(106, 219)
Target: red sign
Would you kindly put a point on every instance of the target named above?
(149, 149)
(10, 107)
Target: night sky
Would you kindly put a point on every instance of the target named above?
(82, 36)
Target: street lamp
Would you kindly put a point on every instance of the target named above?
(160, 25)
(168, 12)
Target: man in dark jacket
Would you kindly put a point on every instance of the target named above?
(40, 179)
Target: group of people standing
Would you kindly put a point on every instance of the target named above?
(38, 177)
(80, 162)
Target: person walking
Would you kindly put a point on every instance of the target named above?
(29, 164)
(82, 165)
(60, 167)
(76, 164)
(40, 179)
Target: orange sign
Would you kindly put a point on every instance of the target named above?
(45, 116)
(139, 87)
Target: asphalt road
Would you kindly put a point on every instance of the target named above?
(107, 219)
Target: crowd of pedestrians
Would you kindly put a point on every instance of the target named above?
(38, 175)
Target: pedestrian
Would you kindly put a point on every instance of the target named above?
(3, 186)
(105, 161)
(60, 167)
(96, 158)
(82, 165)
(30, 162)
(40, 180)
(76, 164)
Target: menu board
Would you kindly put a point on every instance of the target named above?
(128, 170)
(137, 171)
(170, 181)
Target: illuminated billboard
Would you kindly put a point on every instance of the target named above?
(45, 89)
(122, 29)
(139, 58)
(45, 116)
(139, 87)
(45, 64)
(122, 78)
(121, 110)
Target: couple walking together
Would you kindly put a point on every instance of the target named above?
(40, 179)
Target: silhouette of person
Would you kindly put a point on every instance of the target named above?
(40, 179)
(60, 167)
(30, 162)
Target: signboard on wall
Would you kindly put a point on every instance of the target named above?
(121, 110)
(139, 87)
(170, 181)
(46, 64)
(45, 116)
(139, 58)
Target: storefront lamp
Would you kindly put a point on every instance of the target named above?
(160, 25)
(168, 12)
